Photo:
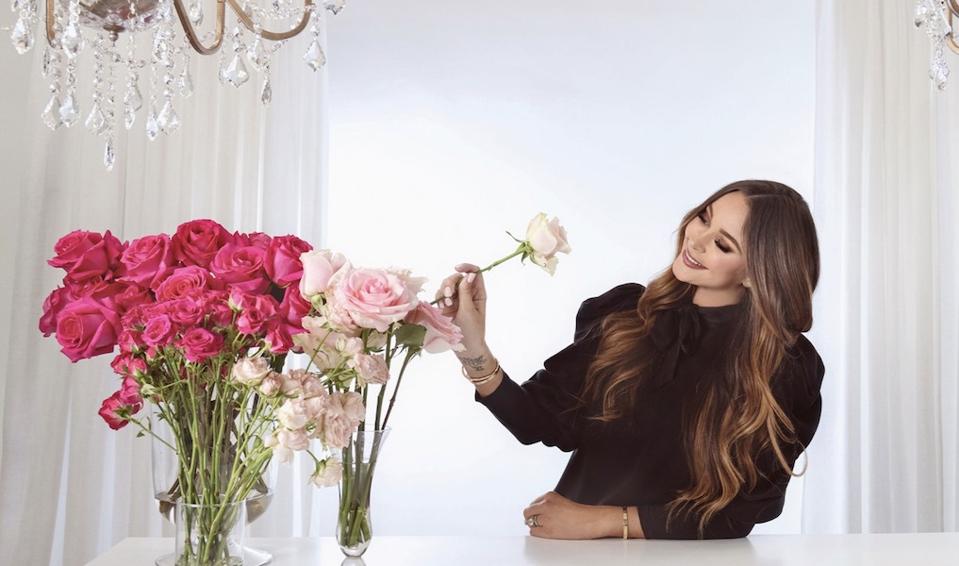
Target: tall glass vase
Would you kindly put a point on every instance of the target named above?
(167, 493)
(354, 525)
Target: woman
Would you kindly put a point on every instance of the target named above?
(685, 402)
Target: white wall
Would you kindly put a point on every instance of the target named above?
(452, 121)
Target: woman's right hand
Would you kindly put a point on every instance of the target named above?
(462, 297)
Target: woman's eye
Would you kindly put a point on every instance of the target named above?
(702, 216)
(723, 248)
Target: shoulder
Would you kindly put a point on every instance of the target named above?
(593, 309)
(803, 372)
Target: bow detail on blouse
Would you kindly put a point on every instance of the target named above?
(676, 330)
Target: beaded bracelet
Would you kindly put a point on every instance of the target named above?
(625, 523)
(480, 380)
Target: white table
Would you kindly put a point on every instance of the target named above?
(920, 549)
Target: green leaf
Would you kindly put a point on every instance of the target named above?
(411, 335)
(141, 434)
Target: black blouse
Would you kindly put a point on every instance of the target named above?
(643, 463)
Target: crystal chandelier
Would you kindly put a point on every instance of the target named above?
(936, 16)
(73, 26)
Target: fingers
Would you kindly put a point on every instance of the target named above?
(533, 509)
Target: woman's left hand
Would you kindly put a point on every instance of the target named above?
(562, 518)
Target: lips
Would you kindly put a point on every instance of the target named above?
(688, 260)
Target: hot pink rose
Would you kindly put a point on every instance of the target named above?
(283, 263)
(374, 298)
(257, 312)
(114, 408)
(52, 305)
(128, 295)
(199, 344)
(241, 267)
(258, 239)
(187, 311)
(289, 322)
(85, 255)
(318, 267)
(198, 241)
(158, 331)
(441, 333)
(217, 303)
(128, 365)
(182, 282)
(130, 392)
(87, 327)
(148, 260)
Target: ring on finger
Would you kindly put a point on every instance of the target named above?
(532, 521)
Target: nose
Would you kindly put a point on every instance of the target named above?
(697, 242)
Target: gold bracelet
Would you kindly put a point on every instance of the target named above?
(625, 523)
(481, 379)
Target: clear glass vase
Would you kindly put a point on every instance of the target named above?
(210, 535)
(354, 526)
(165, 467)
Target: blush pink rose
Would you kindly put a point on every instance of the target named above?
(85, 255)
(319, 266)
(441, 333)
(343, 414)
(199, 344)
(87, 327)
(374, 298)
(198, 241)
(148, 261)
(182, 282)
(241, 267)
(371, 369)
(158, 330)
(52, 305)
(283, 264)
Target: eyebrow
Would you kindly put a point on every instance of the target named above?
(709, 207)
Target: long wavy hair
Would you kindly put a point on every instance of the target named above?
(736, 418)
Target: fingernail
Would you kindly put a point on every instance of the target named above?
(449, 302)
(470, 277)
(448, 292)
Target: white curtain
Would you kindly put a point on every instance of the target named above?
(69, 486)
(887, 311)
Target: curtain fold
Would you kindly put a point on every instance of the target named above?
(886, 307)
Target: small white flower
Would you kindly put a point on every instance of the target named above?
(328, 472)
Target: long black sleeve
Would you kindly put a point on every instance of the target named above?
(540, 410)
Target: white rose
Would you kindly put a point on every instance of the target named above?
(250, 371)
(546, 238)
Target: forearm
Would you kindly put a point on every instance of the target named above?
(478, 362)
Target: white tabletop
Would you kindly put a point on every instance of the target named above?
(927, 549)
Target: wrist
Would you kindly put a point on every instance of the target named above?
(477, 360)
(608, 521)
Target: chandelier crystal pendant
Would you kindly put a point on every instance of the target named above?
(75, 26)
(936, 17)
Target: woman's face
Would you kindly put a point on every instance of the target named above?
(714, 239)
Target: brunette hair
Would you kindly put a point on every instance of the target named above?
(737, 416)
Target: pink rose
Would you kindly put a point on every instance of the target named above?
(241, 267)
(283, 263)
(289, 321)
(187, 311)
(441, 333)
(199, 344)
(250, 371)
(158, 331)
(374, 298)
(258, 239)
(271, 384)
(128, 365)
(344, 411)
(256, 312)
(318, 267)
(52, 305)
(130, 392)
(371, 369)
(114, 410)
(128, 295)
(218, 305)
(182, 282)
(198, 241)
(87, 327)
(148, 260)
(85, 255)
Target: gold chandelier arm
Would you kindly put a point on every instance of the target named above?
(272, 35)
(51, 31)
(191, 34)
(953, 10)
